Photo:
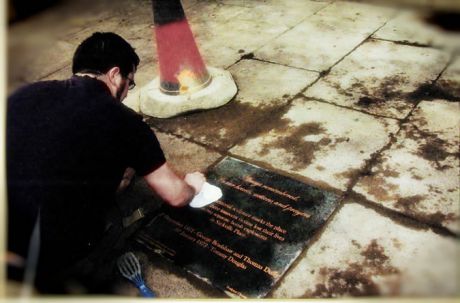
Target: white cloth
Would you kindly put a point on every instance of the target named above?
(208, 194)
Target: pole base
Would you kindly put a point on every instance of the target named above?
(155, 103)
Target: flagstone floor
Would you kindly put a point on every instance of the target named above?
(358, 98)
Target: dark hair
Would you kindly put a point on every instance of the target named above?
(102, 51)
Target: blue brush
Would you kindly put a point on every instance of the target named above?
(130, 268)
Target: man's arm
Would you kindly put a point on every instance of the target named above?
(171, 188)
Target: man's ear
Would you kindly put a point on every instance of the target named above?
(113, 76)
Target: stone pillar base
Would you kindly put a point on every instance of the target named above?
(157, 104)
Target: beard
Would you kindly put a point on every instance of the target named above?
(120, 90)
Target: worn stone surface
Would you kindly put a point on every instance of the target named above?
(188, 3)
(61, 74)
(413, 27)
(263, 88)
(222, 44)
(203, 12)
(133, 20)
(209, 36)
(362, 253)
(321, 142)
(288, 13)
(419, 174)
(326, 37)
(442, 5)
(184, 156)
(381, 78)
(227, 30)
(139, 34)
(38, 60)
(170, 281)
(450, 79)
(48, 48)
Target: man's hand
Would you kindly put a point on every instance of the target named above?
(195, 180)
(173, 189)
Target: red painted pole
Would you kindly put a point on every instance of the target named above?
(182, 69)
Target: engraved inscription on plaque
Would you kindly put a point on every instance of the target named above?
(244, 242)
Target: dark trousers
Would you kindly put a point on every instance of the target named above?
(97, 273)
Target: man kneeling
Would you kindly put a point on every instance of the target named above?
(68, 145)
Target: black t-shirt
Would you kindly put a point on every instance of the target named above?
(68, 144)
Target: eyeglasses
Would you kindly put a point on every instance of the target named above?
(131, 83)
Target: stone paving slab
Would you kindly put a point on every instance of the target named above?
(138, 34)
(84, 14)
(450, 79)
(32, 47)
(219, 56)
(60, 74)
(209, 12)
(324, 143)
(185, 156)
(326, 37)
(419, 174)
(215, 52)
(225, 31)
(233, 39)
(243, 3)
(381, 78)
(221, 39)
(37, 58)
(168, 281)
(288, 13)
(362, 253)
(412, 27)
(264, 88)
(188, 3)
(287, 3)
(71, 16)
